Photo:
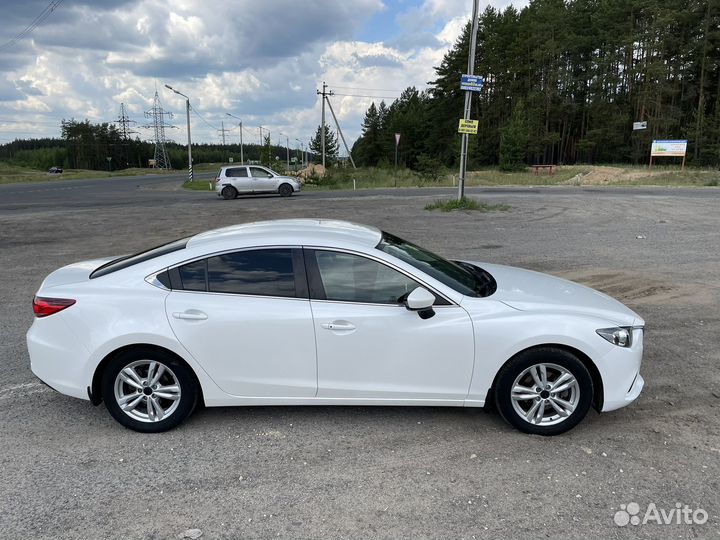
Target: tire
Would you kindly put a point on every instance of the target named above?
(170, 407)
(285, 190)
(229, 192)
(544, 412)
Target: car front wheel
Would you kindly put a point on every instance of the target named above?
(148, 390)
(544, 391)
(285, 190)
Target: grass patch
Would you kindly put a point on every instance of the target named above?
(198, 185)
(11, 174)
(466, 204)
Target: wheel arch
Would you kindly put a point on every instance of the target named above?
(95, 389)
(598, 389)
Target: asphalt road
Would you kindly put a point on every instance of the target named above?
(154, 190)
(69, 471)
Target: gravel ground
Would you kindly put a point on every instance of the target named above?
(69, 471)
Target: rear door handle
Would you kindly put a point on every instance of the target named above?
(337, 325)
(190, 315)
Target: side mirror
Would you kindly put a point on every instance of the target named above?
(421, 300)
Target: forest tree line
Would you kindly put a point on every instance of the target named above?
(84, 145)
(564, 82)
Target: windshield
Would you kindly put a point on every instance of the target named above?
(464, 278)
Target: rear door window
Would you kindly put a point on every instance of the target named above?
(236, 172)
(261, 272)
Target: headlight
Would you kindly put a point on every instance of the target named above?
(622, 337)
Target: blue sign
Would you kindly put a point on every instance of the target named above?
(471, 83)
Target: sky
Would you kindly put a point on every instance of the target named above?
(259, 60)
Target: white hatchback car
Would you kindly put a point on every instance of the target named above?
(314, 312)
(233, 180)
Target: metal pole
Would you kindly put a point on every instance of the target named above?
(287, 149)
(242, 158)
(322, 126)
(468, 100)
(190, 167)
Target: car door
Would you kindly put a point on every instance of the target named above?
(262, 179)
(239, 178)
(245, 317)
(370, 346)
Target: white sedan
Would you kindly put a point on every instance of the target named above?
(315, 312)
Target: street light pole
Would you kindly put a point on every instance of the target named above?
(187, 110)
(468, 99)
(242, 157)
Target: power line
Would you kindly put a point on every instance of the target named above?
(368, 89)
(203, 119)
(44, 14)
(367, 96)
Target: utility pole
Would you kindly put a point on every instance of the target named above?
(287, 148)
(242, 158)
(187, 110)
(302, 153)
(324, 94)
(341, 134)
(468, 98)
(222, 131)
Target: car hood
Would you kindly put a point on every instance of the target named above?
(526, 290)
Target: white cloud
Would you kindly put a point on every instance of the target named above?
(259, 60)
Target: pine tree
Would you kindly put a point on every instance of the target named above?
(514, 140)
(332, 148)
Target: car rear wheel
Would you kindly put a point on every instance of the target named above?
(544, 391)
(285, 190)
(229, 192)
(148, 390)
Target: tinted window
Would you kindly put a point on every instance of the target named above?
(265, 272)
(194, 276)
(130, 260)
(257, 172)
(236, 172)
(351, 278)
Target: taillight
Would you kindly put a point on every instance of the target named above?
(47, 306)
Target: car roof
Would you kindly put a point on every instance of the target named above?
(317, 232)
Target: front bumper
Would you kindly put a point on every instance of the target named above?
(620, 370)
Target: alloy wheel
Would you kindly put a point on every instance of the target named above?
(147, 391)
(545, 394)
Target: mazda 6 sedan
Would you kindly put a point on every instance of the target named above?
(316, 312)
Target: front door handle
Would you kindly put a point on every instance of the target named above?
(338, 325)
(191, 315)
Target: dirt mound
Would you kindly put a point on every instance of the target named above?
(601, 175)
